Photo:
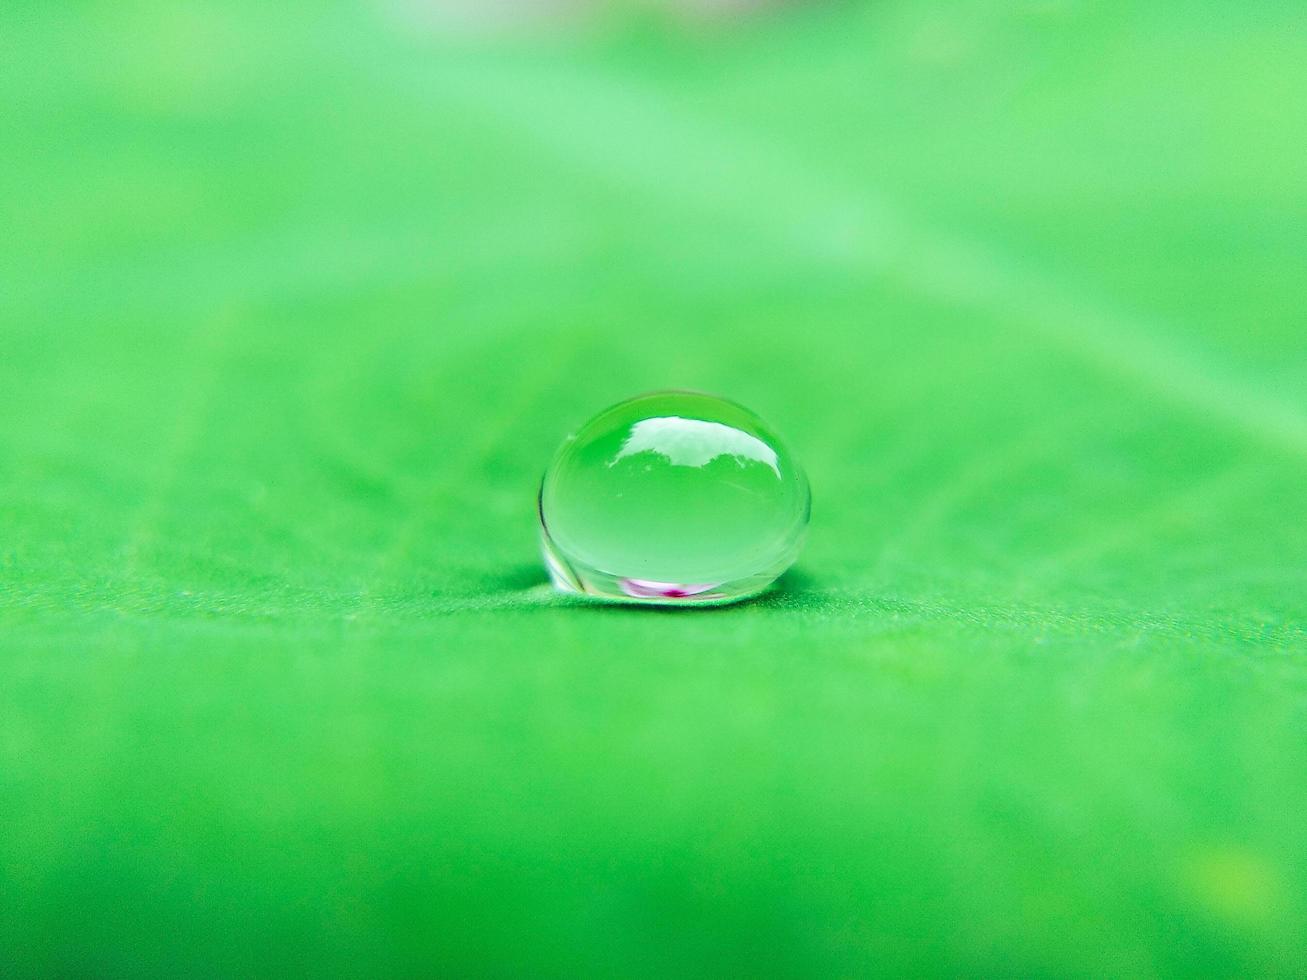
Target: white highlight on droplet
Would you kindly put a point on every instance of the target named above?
(694, 442)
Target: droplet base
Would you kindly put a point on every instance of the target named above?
(578, 579)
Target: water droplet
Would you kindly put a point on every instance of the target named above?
(674, 498)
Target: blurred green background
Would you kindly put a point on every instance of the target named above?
(297, 299)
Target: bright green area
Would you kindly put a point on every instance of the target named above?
(679, 488)
(297, 301)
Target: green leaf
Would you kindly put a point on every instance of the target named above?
(295, 305)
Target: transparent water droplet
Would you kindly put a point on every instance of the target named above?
(675, 498)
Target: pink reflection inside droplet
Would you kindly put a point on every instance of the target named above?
(638, 588)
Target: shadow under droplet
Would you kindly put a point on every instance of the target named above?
(518, 578)
(795, 581)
